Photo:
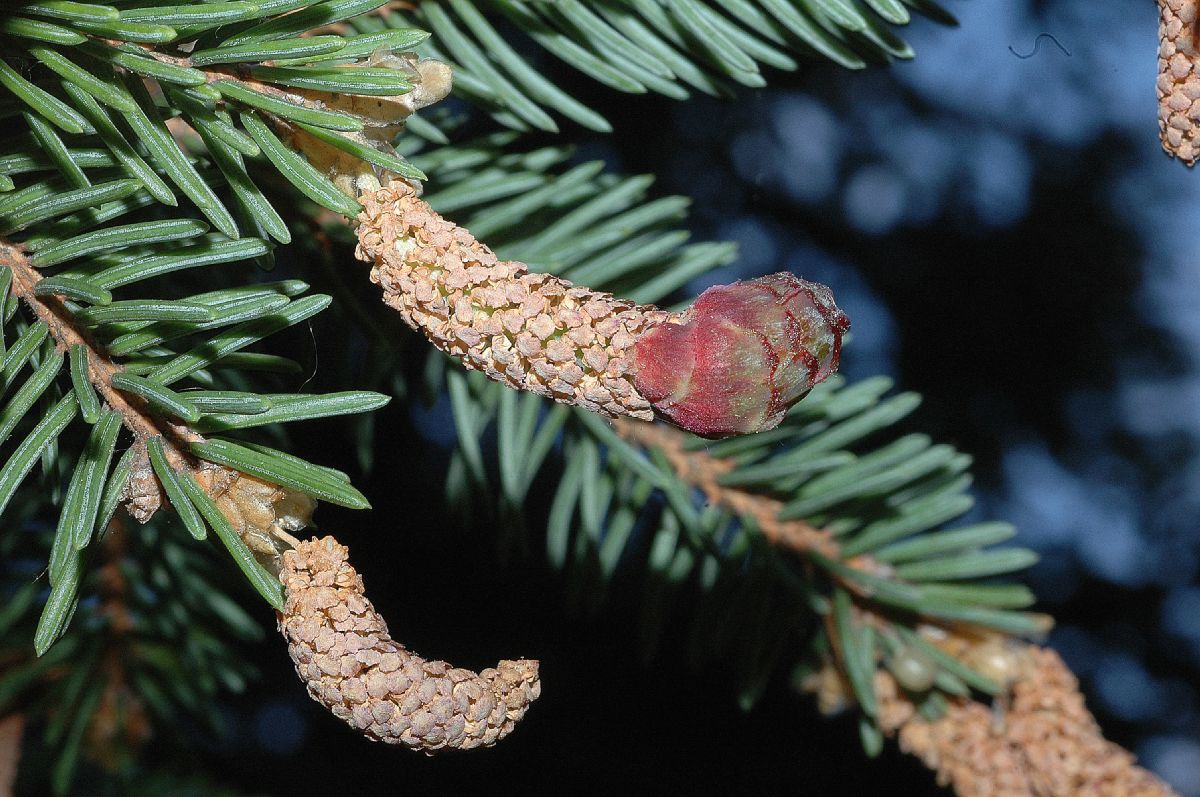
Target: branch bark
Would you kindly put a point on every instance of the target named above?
(66, 333)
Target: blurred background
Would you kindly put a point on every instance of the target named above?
(999, 222)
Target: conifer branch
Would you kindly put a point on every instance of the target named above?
(144, 494)
(421, 704)
(66, 332)
(381, 688)
(698, 469)
(267, 75)
(1035, 740)
(667, 47)
(1038, 741)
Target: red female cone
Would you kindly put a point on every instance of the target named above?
(743, 355)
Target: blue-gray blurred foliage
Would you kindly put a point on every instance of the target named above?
(1105, 483)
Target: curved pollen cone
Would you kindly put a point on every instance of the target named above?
(743, 354)
(352, 666)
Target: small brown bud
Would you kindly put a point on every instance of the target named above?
(913, 669)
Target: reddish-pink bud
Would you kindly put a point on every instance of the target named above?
(743, 355)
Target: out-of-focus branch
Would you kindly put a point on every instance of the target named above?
(12, 732)
(121, 725)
